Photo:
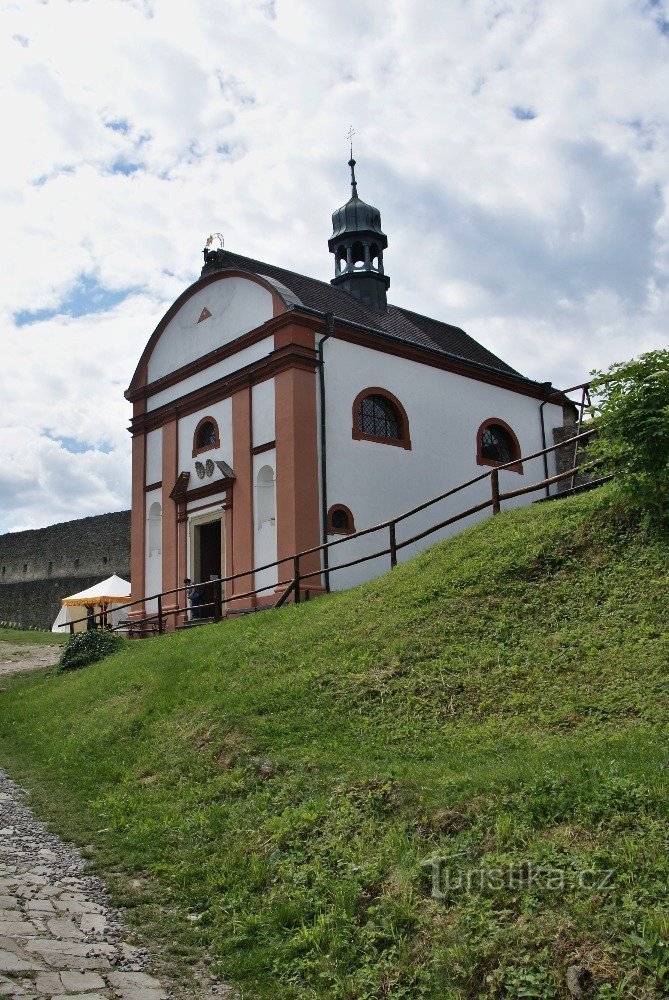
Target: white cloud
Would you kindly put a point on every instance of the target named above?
(132, 131)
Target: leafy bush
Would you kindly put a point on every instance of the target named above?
(88, 647)
(632, 411)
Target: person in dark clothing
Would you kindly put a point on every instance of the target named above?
(194, 599)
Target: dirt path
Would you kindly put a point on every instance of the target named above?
(58, 937)
(15, 658)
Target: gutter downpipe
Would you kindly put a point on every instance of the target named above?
(329, 329)
(551, 392)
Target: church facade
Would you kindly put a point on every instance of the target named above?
(272, 412)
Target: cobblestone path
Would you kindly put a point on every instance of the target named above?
(58, 937)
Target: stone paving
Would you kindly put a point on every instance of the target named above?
(59, 939)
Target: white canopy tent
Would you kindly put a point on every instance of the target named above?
(108, 597)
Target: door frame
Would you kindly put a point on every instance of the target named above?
(193, 558)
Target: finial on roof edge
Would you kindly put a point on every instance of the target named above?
(354, 185)
(351, 163)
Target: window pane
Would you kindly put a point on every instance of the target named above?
(206, 435)
(378, 417)
(496, 445)
(340, 520)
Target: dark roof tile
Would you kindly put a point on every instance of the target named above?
(401, 324)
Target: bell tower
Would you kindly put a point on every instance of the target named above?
(357, 243)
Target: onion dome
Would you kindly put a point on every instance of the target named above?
(357, 243)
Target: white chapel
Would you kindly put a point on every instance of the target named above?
(273, 412)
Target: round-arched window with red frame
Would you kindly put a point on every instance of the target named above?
(206, 436)
(497, 444)
(379, 416)
(340, 520)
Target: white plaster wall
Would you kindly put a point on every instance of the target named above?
(222, 368)
(153, 561)
(262, 404)
(154, 456)
(222, 414)
(214, 502)
(445, 410)
(264, 534)
(237, 305)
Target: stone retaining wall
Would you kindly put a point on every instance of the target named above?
(40, 566)
(564, 457)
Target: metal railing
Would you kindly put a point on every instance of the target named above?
(151, 623)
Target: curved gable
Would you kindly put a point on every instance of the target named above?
(210, 314)
(215, 315)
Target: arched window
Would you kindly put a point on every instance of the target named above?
(266, 496)
(379, 416)
(155, 528)
(496, 444)
(206, 436)
(340, 520)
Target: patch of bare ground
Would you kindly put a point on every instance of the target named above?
(16, 659)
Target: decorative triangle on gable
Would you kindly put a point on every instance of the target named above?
(205, 314)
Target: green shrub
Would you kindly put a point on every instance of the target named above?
(88, 647)
(632, 412)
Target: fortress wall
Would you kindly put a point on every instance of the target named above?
(40, 566)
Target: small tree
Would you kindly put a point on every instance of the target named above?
(631, 406)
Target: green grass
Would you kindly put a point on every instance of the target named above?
(32, 637)
(497, 706)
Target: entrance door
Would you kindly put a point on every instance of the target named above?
(210, 550)
(207, 552)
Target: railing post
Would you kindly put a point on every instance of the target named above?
(494, 486)
(296, 573)
(71, 628)
(393, 545)
(160, 614)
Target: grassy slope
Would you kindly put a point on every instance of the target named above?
(32, 637)
(281, 778)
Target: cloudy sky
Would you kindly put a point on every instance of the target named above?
(518, 151)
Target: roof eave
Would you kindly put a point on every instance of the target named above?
(479, 366)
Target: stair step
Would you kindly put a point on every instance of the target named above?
(195, 623)
(581, 488)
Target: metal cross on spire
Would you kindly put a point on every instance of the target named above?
(351, 163)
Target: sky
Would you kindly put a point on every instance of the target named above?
(518, 151)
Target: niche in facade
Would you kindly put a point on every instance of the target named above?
(155, 528)
(266, 496)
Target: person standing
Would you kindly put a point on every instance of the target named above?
(194, 599)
